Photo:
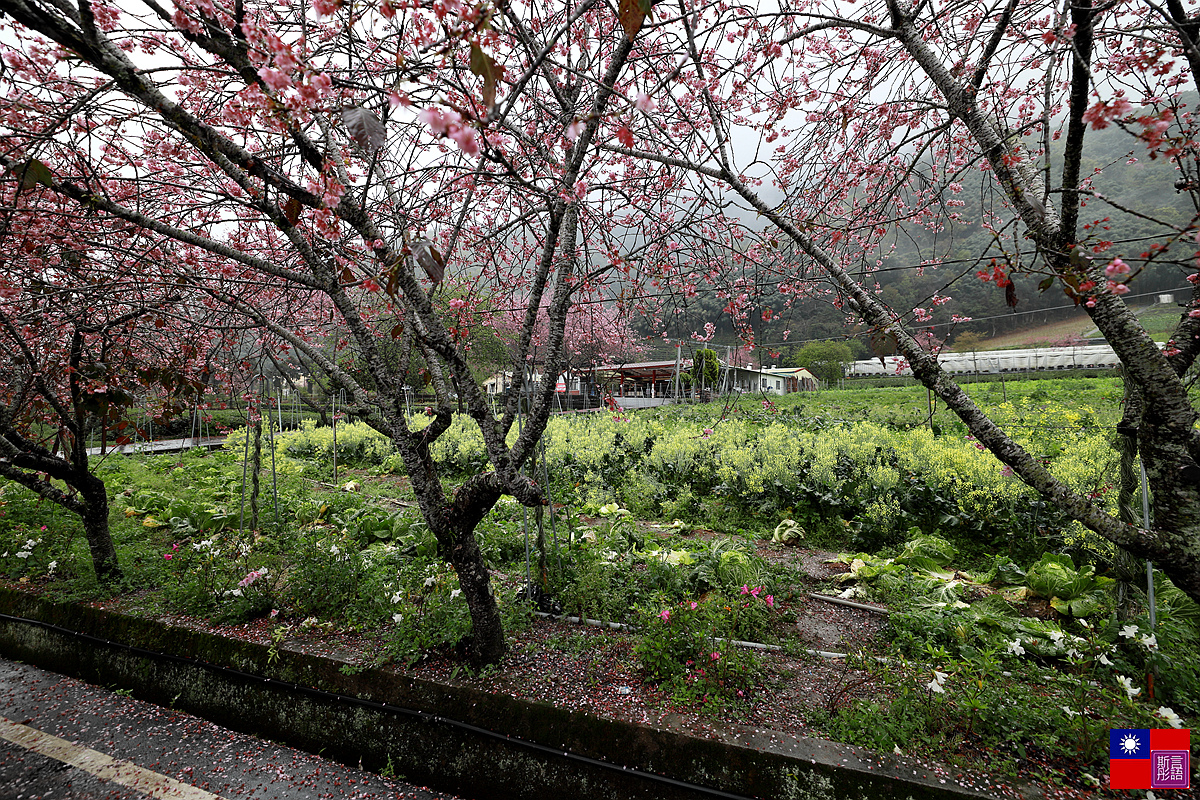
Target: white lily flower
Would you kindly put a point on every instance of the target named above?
(1168, 716)
(1015, 647)
(1150, 641)
(1127, 685)
(935, 685)
(455, 593)
(1129, 631)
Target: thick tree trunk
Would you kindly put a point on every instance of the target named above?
(95, 528)
(487, 644)
(453, 524)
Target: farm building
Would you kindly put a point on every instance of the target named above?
(653, 383)
(1000, 361)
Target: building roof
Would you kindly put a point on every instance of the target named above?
(798, 372)
(643, 369)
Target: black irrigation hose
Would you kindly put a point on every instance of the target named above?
(399, 710)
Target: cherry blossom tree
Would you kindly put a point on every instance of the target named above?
(594, 334)
(847, 126)
(328, 173)
(91, 330)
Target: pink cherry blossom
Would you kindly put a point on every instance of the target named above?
(1116, 267)
(274, 78)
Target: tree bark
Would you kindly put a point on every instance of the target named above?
(95, 528)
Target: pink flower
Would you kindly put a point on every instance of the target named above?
(167, 556)
(716, 656)
(745, 589)
(754, 592)
(464, 137)
(274, 78)
(326, 7)
(643, 103)
(1101, 114)
(693, 604)
(437, 120)
(1118, 288)
(1117, 267)
(1195, 312)
(322, 83)
(251, 577)
(770, 601)
(666, 615)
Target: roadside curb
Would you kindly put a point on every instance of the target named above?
(458, 739)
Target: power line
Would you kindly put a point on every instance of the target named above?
(973, 319)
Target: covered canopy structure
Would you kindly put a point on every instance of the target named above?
(652, 383)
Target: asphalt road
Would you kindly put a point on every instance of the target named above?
(62, 739)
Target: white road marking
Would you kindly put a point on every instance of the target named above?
(101, 765)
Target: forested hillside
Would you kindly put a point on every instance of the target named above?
(1129, 206)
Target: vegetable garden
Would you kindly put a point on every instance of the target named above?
(1011, 631)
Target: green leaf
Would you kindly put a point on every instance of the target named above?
(31, 173)
(933, 548)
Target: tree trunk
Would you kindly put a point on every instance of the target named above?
(487, 630)
(95, 528)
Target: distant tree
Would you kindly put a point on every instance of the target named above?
(826, 360)
(706, 368)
